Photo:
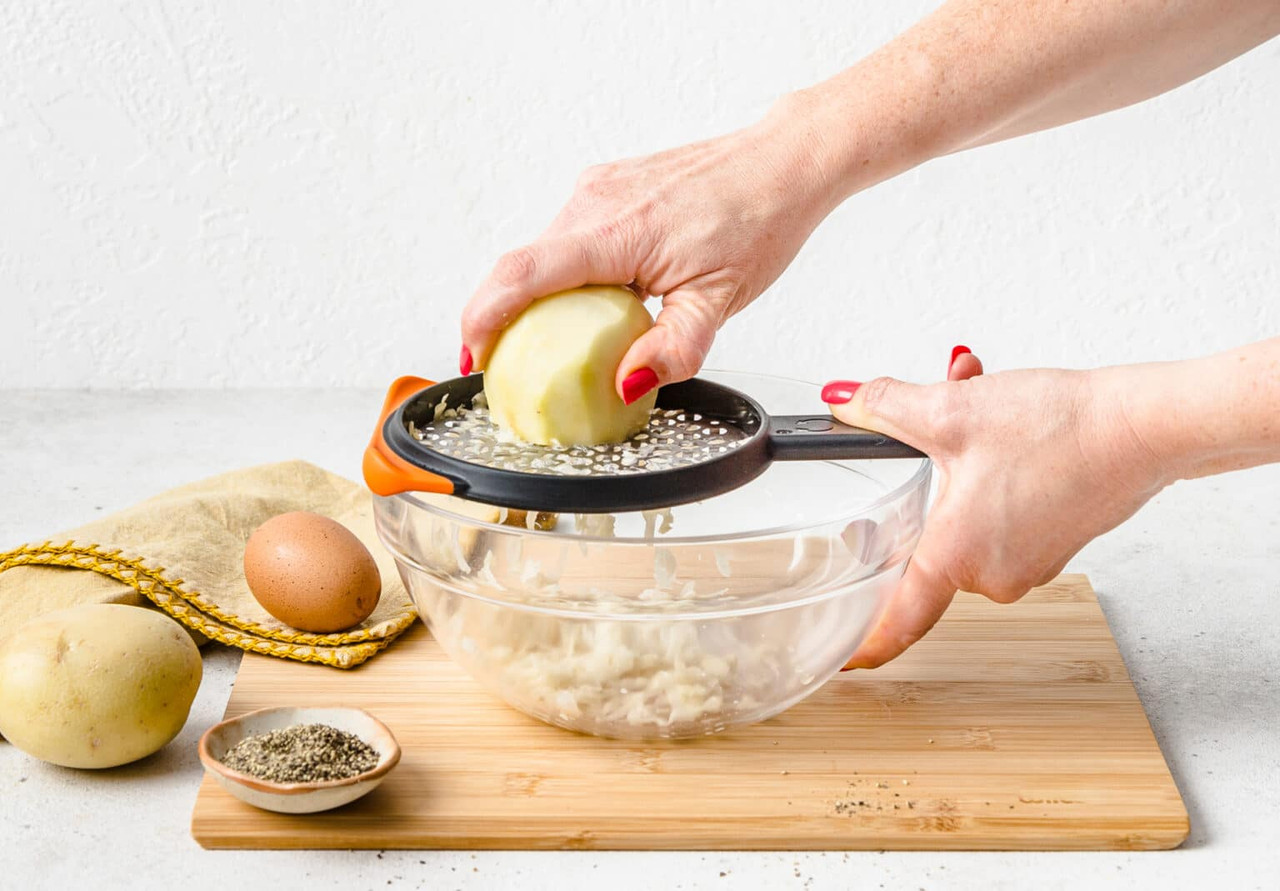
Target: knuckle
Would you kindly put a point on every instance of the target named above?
(1007, 589)
(678, 352)
(963, 565)
(904, 639)
(1047, 576)
(471, 317)
(479, 318)
(878, 393)
(936, 414)
(594, 180)
(516, 267)
(591, 174)
(686, 360)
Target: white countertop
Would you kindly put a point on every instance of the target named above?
(1191, 587)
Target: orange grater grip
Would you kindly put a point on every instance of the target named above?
(385, 472)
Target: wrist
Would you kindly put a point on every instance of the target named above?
(1197, 417)
(843, 150)
(867, 124)
(1128, 401)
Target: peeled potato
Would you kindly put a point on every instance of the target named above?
(550, 377)
(96, 685)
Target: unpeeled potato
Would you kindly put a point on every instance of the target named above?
(97, 685)
(550, 377)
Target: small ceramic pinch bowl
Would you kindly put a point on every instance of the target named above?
(298, 798)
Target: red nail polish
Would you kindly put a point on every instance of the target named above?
(956, 353)
(465, 361)
(839, 392)
(637, 383)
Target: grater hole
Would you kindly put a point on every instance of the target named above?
(673, 438)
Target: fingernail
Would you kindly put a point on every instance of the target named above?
(956, 353)
(465, 361)
(839, 392)
(637, 383)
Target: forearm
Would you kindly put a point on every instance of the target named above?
(1204, 416)
(978, 71)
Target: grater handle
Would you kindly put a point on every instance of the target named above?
(385, 472)
(823, 438)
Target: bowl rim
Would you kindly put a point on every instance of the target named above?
(212, 764)
(920, 476)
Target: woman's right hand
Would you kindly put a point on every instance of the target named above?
(1032, 465)
(708, 227)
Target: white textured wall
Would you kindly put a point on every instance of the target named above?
(305, 193)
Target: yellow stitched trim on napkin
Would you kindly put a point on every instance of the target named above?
(135, 573)
(196, 612)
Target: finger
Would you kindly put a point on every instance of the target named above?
(518, 278)
(919, 600)
(964, 366)
(907, 412)
(675, 347)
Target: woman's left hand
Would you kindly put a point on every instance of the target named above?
(1032, 465)
(707, 226)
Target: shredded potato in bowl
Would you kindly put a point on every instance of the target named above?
(656, 668)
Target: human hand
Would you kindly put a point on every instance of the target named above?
(1032, 465)
(708, 227)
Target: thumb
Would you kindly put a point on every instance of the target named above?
(677, 344)
(919, 600)
(907, 412)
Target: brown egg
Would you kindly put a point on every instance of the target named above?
(310, 572)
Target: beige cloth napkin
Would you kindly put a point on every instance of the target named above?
(182, 551)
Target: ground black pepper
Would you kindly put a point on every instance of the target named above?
(303, 753)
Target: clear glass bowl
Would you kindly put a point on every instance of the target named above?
(643, 625)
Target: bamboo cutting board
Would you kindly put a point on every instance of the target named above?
(1009, 727)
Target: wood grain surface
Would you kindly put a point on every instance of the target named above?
(1009, 727)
